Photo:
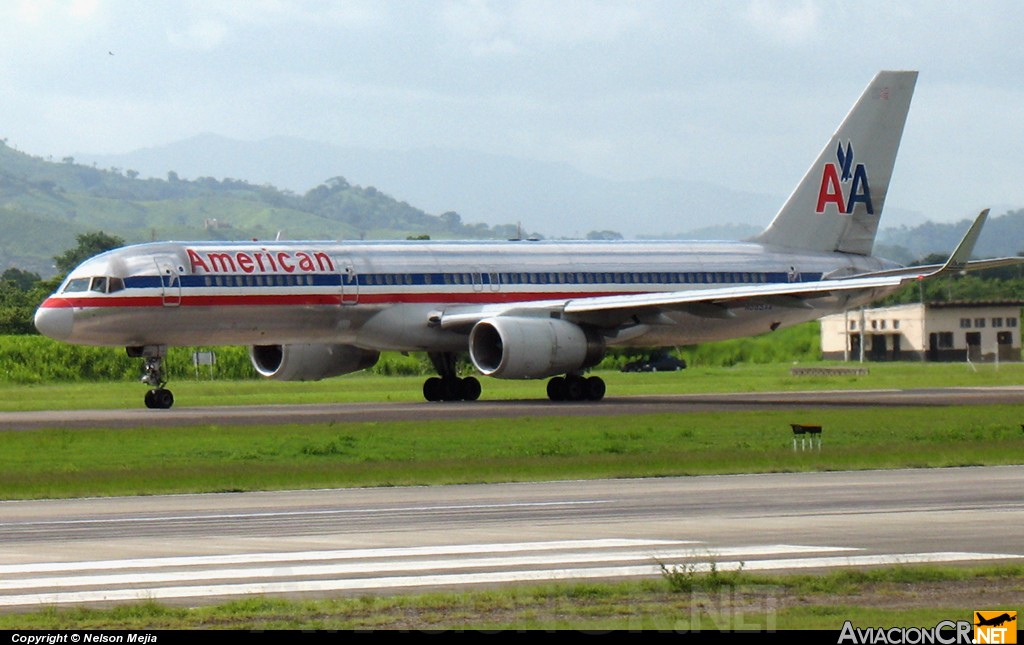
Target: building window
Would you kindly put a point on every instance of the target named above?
(881, 324)
(979, 323)
(895, 324)
(1011, 322)
(874, 324)
(997, 322)
(945, 340)
(965, 323)
(853, 325)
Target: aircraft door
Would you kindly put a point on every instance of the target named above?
(349, 281)
(170, 281)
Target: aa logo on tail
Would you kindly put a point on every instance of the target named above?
(844, 173)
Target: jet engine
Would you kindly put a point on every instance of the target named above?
(309, 362)
(532, 347)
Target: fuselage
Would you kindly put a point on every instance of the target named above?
(384, 295)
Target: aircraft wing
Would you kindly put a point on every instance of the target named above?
(612, 311)
(711, 303)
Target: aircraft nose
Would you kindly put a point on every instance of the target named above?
(54, 320)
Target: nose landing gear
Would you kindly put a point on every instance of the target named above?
(153, 374)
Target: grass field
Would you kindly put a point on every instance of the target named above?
(75, 463)
(368, 387)
(898, 596)
(60, 463)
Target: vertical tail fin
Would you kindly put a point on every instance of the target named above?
(837, 205)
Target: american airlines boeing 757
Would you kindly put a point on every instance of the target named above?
(520, 309)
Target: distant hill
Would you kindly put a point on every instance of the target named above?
(45, 204)
(552, 198)
(1003, 235)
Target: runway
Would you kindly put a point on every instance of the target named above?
(197, 549)
(194, 549)
(357, 412)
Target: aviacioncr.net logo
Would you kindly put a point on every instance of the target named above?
(995, 627)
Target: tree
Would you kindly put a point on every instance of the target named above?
(89, 244)
(22, 280)
(451, 220)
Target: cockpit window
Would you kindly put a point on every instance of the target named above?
(101, 284)
(77, 285)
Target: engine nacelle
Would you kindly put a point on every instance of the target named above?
(309, 362)
(532, 347)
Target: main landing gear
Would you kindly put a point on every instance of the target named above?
(573, 387)
(449, 386)
(153, 374)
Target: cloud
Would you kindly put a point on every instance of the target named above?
(203, 35)
(512, 27)
(46, 29)
(785, 22)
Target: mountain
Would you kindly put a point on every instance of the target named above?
(554, 199)
(44, 205)
(1002, 236)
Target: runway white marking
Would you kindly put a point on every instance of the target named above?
(302, 513)
(162, 578)
(344, 554)
(389, 566)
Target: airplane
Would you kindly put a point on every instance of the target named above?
(995, 621)
(520, 309)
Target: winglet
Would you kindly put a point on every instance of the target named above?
(962, 254)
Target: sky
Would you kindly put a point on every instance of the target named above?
(740, 94)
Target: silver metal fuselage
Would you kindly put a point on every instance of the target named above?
(389, 296)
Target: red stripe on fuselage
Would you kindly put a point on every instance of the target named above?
(318, 299)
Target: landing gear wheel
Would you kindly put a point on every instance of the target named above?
(451, 389)
(557, 389)
(575, 388)
(159, 399)
(470, 388)
(432, 389)
(448, 386)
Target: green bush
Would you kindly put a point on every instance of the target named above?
(37, 359)
(801, 343)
